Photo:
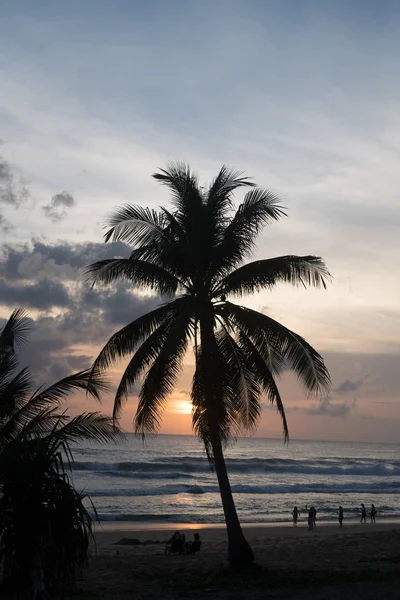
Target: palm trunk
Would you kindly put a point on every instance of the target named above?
(240, 553)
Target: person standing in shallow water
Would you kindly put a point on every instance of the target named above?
(295, 514)
(363, 513)
(373, 513)
(314, 517)
(340, 516)
(310, 518)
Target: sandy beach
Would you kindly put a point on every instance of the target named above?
(356, 561)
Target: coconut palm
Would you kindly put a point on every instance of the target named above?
(44, 526)
(194, 254)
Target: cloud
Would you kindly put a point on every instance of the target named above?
(12, 189)
(348, 386)
(57, 209)
(5, 225)
(43, 295)
(326, 407)
(61, 260)
(73, 321)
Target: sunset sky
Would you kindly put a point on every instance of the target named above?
(304, 96)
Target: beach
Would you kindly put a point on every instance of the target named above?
(356, 561)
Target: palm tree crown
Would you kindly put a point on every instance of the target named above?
(194, 254)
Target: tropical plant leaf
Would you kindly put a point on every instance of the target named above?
(261, 274)
(141, 273)
(16, 331)
(125, 341)
(259, 208)
(162, 375)
(289, 349)
(144, 356)
(265, 378)
(136, 226)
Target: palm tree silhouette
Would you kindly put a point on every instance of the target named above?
(194, 254)
(44, 526)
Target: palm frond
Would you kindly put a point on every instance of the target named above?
(91, 426)
(219, 197)
(183, 183)
(94, 383)
(141, 273)
(259, 208)
(8, 366)
(142, 359)
(261, 274)
(16, 331)
(136, 226)
(289, 348)
(162, 375)
(265, 377)
(242, 383)
(124, 341)
(15, 392)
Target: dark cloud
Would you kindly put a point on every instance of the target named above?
(56, 210)
(348, 386)
(42, 295)
(326, 407)
(49, 276)
(61, 260)
(12, 188)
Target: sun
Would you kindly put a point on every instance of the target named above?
(182, 407)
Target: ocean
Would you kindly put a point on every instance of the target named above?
(169, 480)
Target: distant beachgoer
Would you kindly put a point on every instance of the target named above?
(340, 516)
(373, 513)
(295, 514)
(314, 517)
(193, 547)
(310, 519)
(363, 513)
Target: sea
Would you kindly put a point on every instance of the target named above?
(169, 481)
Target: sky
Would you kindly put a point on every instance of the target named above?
(301, 95)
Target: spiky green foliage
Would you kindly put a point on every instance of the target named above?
(44, 525)
(195, 253)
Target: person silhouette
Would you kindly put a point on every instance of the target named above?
(363, 513)
(372, 514)
(340, 516)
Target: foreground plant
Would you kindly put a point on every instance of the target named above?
(195, 253)
(45, 528)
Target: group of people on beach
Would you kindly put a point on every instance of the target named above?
(178, 544)
(312, 515)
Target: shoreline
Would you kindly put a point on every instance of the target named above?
(147, 527)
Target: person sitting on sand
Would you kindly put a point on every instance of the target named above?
(176, 545)
(295, 514)
(363, 513)
(372, 514)
(340, 516)
(193, 547)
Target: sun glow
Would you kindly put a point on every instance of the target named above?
(182, 407)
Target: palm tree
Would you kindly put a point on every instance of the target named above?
(194, 254)
(45, 528)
